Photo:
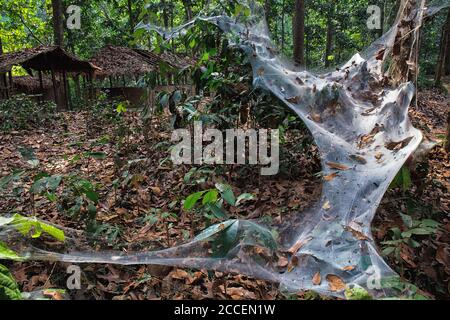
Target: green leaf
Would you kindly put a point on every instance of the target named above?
(5, 181)
(95, 155)
(214, 229)
(407, 220)
(191, 200)
(210, 197)
(357, 293)
(29, 156)
(7, 254)
(244, 197)
(227, 193)
(217, 211)
(9, 290)
(25, 225)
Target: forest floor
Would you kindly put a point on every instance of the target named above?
(154, 186)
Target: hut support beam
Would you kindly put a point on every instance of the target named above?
(41, 84)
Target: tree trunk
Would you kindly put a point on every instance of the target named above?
(382, 7)
(58, 28)
(444, 54)
(188, 8)
(130, 15)
(447, 144)
(267, 12)
(329, 44)
(282, 25)
(3, 76)
(165, 14)
(298, 25)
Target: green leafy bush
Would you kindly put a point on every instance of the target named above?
(21, 113)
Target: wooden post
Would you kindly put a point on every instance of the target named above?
(11, 84)
(55, 90)
(66, 90)
(41, 84)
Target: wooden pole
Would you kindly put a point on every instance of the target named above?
(66, 90)
(55, 90)
(11, 84)
(41, 84)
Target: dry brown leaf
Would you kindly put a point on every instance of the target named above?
(300, 243)
(317, 279)
(349, 268)
(294, 99)
(335, 283)
(330, 176)
(337, 166)
(357, 234)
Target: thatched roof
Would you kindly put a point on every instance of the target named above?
(31, 84)
(45, 58)
(114, 61)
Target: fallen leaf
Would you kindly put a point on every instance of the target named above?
(337, 166)
(335, 283)
(330, 176)
(317, 279)
(349, 268)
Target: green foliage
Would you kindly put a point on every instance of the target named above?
(9, 290)
(356, 292)
(402, 179)
(213, 200)
(26, 227)
(412, 228)
(21, 113)
(79, 196)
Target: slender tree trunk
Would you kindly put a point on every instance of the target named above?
(447, 48)
(267, 12)
(298, 25)
(165, 14)
(444, 54)
(382, 7)
(282, 25)
(188, 8)
(58, 28)
(130, 15)
(329, 44)
(3, 76)
(447, 144)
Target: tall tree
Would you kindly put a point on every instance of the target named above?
(298, 26)
(58, 27)
(130, 16)
(329, 43)
(444, 54)
(188, 9)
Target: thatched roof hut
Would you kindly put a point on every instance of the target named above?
(45, 58)
(123, 61)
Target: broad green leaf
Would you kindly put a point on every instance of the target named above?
(217, 211)
(191, 200)
(212, 230)
(210, 197)
(357, 293)
(227, 193)
(25, 225)
(9, 290)
(7, 254)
